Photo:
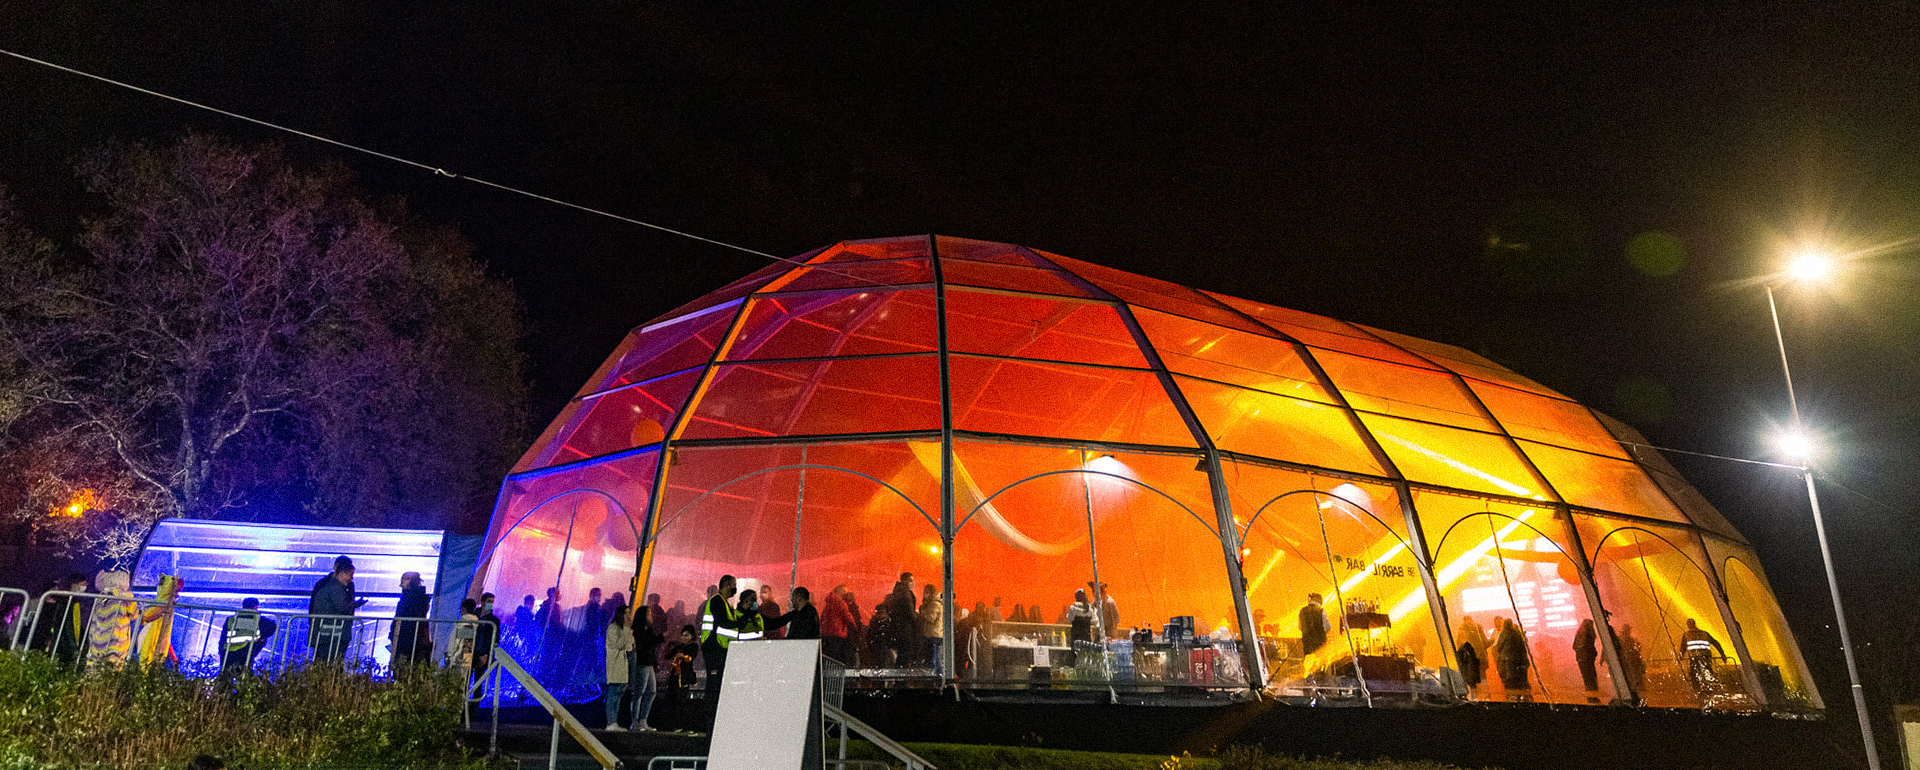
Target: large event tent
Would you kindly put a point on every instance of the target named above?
(1011, 426)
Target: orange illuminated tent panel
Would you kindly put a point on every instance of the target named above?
(998, 468)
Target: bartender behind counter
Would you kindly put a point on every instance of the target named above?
(1080, 618)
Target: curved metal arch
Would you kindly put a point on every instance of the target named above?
(1676, 549)
(1561, 549)
(668, 521)
(1539, 675)
(1143, 485)
(488, 553)
(1769, 596)
(1248, 529)
(1658, 604)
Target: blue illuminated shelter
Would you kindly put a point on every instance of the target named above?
(225, 562)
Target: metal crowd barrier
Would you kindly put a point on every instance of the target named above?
(370, 642)
(130, 629)
(61, 623)
(11, 634)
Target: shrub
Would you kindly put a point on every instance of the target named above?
(111, 718)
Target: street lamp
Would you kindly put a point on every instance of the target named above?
(1798, 444)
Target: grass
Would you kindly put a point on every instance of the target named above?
(954, 756)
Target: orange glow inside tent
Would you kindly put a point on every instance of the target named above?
(1102, 480)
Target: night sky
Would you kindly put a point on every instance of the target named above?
(1478, 178)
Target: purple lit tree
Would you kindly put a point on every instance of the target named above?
(232, 330)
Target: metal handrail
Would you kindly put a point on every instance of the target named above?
(673, 763)
(599, 751)
(889, 745)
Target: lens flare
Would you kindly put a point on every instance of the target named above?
(1796, 444)
(1809, 266)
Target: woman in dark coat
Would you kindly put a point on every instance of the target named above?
(642, 681)
(1510, 658)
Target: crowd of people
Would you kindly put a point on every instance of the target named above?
(1511, 658)
(638, 654)
(635, 653)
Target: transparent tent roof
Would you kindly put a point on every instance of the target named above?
(1001, 420)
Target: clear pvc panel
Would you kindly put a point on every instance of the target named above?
(1514, 597)
(1451, 457)
(983, 251)
(853, 275)
(1449, 353)
(838, 323)
(1275, 314)
(829, 396)
(1334, 583)
(1204, 311)
(1032, 326)
(1022, 548)
(1157, 294)
(1368, 347)
(565, 549)
(739, 288)
(1776, 658)
(1402, 391)
(221, 563)
(1594, 481)
(1547, 420)
(622, 419)
(1501, 376)
(1653, 580)
(1159, 558)
(1033, 398)
(899, 247)
(1699, 511)
(1259, 423)
(1110, 278)
(1466, 362)
(540, 452)
(331, 541)
(668, 348)
(1034, 520)
(1221, 354)
(993, 275)
(1323, 332)
(842, 520)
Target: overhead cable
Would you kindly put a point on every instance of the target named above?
(416, 164)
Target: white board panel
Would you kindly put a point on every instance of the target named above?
(769, 704)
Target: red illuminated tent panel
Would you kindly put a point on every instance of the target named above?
(999, 468)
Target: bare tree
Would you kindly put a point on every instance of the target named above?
(233, 328)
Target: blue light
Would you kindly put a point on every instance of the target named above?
(223, 562)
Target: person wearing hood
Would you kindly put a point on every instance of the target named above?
(410, 640)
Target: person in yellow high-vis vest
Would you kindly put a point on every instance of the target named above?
(719, 627)
(1701, 650)
(242, 636)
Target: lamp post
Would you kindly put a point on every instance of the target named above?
(1809, 268)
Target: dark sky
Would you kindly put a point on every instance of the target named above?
(1369, 164)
